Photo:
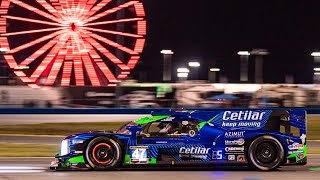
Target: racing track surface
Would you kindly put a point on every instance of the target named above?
(37, 169)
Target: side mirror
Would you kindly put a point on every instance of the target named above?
(134, 130)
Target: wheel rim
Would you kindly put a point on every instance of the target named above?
(75, 42)
(102, 153)
(266, 153)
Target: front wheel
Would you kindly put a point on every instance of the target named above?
(103, 153)
(266, 153)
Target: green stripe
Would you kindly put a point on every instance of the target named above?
(77, 159)
(149, 119)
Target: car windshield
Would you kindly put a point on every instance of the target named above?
(124, 130)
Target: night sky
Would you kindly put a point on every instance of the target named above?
(212, 32)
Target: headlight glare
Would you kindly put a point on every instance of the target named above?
(64, 147)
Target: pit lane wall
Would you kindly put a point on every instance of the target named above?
(52, 115)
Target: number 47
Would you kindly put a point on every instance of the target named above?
(139, 154)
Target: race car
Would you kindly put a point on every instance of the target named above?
(263, 139)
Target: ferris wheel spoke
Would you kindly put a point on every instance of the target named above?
(82, 9)
(34, 42)
(107, 53)
(77, 61)
(66, 73)
(113, 32)
(93, 9)
(88, 64)
(87, 8)
(90, 70)
(48, 59)
(78, 70)
(39, 52)
(102, 66)
(110, 42)
(60, 7)
(114, 21)
(51, 9)
(31, 20)
(36, 10)
(57, 64)
(33, 31)
(110, 11)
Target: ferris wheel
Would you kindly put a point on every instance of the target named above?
(72, 42)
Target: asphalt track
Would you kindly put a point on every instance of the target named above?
(37, 169)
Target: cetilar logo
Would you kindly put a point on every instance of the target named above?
(194, 150)
(243, 119)
(242, 115)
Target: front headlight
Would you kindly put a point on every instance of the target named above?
(65, 147)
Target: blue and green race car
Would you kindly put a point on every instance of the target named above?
(263, 139)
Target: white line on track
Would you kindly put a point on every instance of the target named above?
(21, 169)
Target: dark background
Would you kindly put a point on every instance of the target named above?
(212, 32)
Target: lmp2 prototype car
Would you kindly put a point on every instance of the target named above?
(264, 139)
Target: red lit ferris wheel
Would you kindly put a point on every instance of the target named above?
(72, 42)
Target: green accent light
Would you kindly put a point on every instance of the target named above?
(148, 119)
(127, 159)
(152, 161)
(77, 159)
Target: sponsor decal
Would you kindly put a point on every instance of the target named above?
(239, 142)
(194, 152)
(161, 142)
(240, 158)
(234, 149)
(138, 147)
(76, 141)
(231, 157)
(294, 152)
(241, 124)
(300, 156)
(233, 134)
(243, 119)
(217, 154)
(295, 146)
(243, 115)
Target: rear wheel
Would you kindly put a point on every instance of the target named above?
(266, 153)
(103, 153)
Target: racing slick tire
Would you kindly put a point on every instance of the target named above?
(266, 153)
(103, 153)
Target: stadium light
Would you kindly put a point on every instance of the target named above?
(214, 69)
(315, 54)
(316, 73)
(167, 52)
(244, 53)
(183, 70)
(194, 64)
(316, 69)
(182, 75)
